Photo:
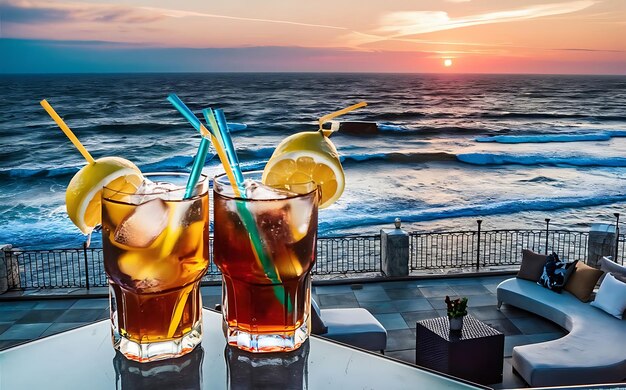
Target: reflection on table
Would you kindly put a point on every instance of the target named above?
(84, 358)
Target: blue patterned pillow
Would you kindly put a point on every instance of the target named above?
(555, 273)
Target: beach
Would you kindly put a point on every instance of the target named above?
(511, 150)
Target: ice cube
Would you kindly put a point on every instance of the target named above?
(299, 217)
(144, 225)
(259, 191)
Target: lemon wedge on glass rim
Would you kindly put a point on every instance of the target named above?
(83, 195)
(303, 157)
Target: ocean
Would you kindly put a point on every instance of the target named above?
(511, 150)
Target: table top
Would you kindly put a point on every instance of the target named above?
(84, 358)
(472, 328)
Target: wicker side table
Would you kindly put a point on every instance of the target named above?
(474, 354)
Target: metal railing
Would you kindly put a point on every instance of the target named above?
(84, 267)
(478, 249)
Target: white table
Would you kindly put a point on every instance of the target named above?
(84, 358)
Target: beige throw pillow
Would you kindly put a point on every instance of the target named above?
(582, 281)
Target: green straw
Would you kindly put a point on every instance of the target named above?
(220, 131)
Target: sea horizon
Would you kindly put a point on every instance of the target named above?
(449, 150)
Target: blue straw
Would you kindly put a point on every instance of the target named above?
(180, 106)
(228, 143)
(203, 149)
(196, 169)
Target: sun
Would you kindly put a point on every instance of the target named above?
(447, 62)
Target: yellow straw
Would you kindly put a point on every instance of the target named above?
(67, 131)
(221, 153)
(335, 114)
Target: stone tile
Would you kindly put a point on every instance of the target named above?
(486, 313)
(211, 290)
(94, 303)
(367, 287)
(12, 315)
(438, 303)
(55, 304)
(509, 379)
(486, 299)
(492, 288)
(432, 283)
(504, 326)
(211, 300)
(415, 304)
(407, 355)
(452, 282)
(513, 312)
(17, 305)
(25, 331)
(59, 327)
(529, 325)
(400, 339)
(41, 316)
(400, 284)
(404, 293)
(522, 339)
(391, 321)
(5, 344)
(469, 290)
(363, 296)
(436, 291)
(4, 326)
(411, 317)
(338, 300)
(81, 315)
(333, 289)
(379, 307)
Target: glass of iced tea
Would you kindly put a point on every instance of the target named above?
(156, 250)
(264, 245)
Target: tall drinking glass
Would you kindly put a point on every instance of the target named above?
(155, 253)
(264, 244)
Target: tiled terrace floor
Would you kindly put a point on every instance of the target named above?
(397, 305)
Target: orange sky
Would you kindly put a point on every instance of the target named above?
(485, 36)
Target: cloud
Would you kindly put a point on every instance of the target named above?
(37, 11)
(27, 11)
(420, 22)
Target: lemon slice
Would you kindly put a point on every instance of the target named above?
(83, 194)
(307, 156)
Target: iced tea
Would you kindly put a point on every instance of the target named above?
(155, 253)
(266, 304)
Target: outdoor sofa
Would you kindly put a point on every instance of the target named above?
(594, 350)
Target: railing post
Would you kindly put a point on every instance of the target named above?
(85, 244)
(547, 233)
(394, 248)
(479, 222)
(616, 236)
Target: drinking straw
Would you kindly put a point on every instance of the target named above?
(228, 143)
(46, 106)
(196, 169)
(224, 141)
(335, 114)
(195, 122)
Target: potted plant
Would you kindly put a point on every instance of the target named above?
(457, 309)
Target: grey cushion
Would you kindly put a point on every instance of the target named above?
(317, 325)
(355, 326)
(592, 352)
(609, 266)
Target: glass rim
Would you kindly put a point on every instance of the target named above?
(202, 180)
(295, 195)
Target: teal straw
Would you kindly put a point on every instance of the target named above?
(196, 169)
(228, 144)
(180, 106)
(246, 216)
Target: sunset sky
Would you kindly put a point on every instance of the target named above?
(475, 36)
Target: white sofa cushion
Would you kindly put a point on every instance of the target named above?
(611, 296)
